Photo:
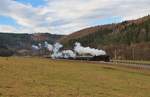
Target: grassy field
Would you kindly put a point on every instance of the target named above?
(39, 77)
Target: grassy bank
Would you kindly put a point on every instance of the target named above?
(39, 77)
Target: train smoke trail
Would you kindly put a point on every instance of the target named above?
(79, 49)
(35, 47)
(68, 54)
(56, 53)
(48, 46)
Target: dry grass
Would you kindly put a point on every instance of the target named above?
(38, 77)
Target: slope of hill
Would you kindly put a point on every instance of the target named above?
(127, 35)
(24, 41)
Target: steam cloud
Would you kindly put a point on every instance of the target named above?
(35, 47)
(48, 46)
(68, 54)
(40, 45)
(78, 49)
(56, 52)
(87, 50)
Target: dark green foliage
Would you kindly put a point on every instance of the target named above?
(25, 41)
(5, 52)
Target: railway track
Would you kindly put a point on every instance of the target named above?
(128, 64)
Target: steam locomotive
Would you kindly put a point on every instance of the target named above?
(105, 58)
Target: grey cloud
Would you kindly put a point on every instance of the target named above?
(66, 16)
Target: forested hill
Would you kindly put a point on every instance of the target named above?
(122, 37)
(24, 41)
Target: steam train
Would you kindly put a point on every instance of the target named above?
(105, 58)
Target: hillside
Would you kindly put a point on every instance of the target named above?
(122, 41)
(17, 42)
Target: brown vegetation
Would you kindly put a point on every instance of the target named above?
(126, 40)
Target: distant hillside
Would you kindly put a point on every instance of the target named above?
(24, 41)
(125, 37)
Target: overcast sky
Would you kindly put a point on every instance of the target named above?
(66, 16)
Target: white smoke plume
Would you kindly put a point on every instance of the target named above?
(35, 47)
(56, 53)
(48, 46)
(62, 54)
(78, 49)
(40, 45)
(87, 50)
(68, 54)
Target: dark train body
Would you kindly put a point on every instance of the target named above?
(105, 58)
